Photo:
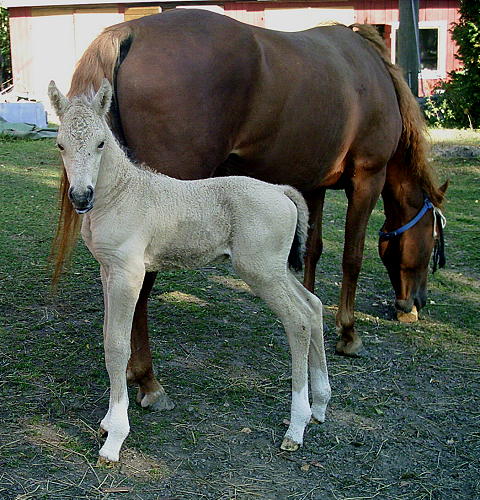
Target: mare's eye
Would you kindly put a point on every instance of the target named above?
(100, 146)
(60, 147)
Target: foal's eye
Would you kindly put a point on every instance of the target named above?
(60, 147)
(100, 146)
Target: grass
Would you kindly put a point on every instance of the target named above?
(402, 422)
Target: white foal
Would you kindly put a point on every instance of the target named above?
(136, 221)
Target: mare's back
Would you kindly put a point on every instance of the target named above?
(196, 86)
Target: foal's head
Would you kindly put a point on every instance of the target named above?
(81, 140)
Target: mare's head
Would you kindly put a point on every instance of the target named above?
(81, 140)
(406, 248)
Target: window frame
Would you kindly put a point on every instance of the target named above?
(441, 26)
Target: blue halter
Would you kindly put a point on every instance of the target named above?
(427, 205)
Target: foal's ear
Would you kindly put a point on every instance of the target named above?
(102, 100)
(58, 100)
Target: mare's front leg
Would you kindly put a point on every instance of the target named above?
(140, 370)
(362, 195)
(123, 288)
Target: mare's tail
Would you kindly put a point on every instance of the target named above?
(413, 144)
(299, 244)
(101, 60)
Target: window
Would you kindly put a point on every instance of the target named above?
(428, 48)
(385, 31)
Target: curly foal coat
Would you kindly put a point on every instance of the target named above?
(137, 221)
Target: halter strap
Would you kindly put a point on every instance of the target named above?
(427, 205)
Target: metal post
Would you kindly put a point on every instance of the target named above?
(408, 42)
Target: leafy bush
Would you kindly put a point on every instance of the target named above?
(457, 101)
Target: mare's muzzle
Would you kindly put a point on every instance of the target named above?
(417, 299)
(82, 201)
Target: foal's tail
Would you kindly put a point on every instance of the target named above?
(299, 244)
(99, 61)
(413, 144)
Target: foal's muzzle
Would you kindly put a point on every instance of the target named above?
(81, 201)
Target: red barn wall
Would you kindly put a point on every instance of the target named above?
(386, 12)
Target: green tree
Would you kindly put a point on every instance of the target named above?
(459, 104)
(5, 60)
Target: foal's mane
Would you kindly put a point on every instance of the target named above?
(99, 61)
(413, 144)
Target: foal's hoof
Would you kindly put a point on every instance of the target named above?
(105, 463)
(352, 348)
(102, 433)
(157, 400)
(317, 417)
(410, 317)
(289, 445)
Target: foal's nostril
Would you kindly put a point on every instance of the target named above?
(70, 193)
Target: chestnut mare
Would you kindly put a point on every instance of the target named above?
(197, 94)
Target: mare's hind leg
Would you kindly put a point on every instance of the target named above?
(317, 362)
(140, 370)
(277, 291)
(315, 203)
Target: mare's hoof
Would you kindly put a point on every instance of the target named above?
(410, 317)
(157, 400)
(105, 463)
(289, 445)
(353, 348)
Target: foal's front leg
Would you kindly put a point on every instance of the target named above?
(123, 288)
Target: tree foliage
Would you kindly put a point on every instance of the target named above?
(5, 61)
(458, 103)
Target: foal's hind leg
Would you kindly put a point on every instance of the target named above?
(277, 291)
(317, 362)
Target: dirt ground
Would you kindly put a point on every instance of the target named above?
(403, 422)
(459, 151)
